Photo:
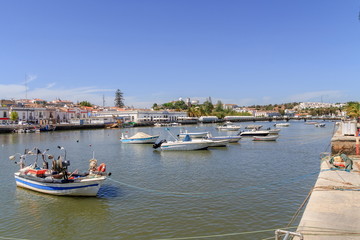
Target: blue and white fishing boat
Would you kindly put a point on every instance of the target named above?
(58, 180)
(139, 137)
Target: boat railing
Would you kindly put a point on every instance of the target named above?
(287, 235)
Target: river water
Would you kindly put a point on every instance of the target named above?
(243, 191)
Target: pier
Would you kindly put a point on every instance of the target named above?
(333, 210)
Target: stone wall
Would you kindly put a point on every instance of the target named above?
(343, 144)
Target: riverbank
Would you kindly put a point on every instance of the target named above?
(59, 127)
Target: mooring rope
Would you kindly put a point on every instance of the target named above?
(173, 193)
(224, 235)
(10, 238)
(300, 208)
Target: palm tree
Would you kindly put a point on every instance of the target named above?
(353, 110)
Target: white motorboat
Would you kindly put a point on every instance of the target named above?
(257, 127)
(183, 134)
(228, 126)
(282, 124)
(214, 143)
(58, 180)
(187, 144)
(274, 130)
(320, 125)
(265, 138)
(139, 137)
(232, 139)
(254, 133)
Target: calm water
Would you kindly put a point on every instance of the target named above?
(249, 186)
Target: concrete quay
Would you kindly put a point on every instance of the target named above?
(333, 209)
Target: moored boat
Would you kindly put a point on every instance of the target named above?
(228, 126)
(282, 124)
(187, 144)
(274, 130)
(185, 133)
(257, 127)
(265, 138)
(139, 137)
(254, 133)
(232, 139)
(58, 180)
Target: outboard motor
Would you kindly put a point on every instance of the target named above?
(157, 145)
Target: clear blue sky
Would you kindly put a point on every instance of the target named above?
(238, 51)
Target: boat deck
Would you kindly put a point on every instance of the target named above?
(334, 207)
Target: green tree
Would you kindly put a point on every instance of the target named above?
(353, 110)
(192, 112)
(155, 107)
(14, 116)
(119, 99)
(219, 106)
(169, 105)
(180, 105)
(208, 107)
(85, 104)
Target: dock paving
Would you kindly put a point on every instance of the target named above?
(333, 210)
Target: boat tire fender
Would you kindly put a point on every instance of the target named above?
(102, 167)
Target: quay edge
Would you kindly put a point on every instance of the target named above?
(333, 209)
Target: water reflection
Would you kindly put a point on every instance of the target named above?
(248, 185)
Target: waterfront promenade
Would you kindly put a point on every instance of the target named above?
(333, 209)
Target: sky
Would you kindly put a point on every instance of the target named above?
(242, 52)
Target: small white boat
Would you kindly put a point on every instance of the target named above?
(192, 134)
(213, 143)
(254, 133)
(311, 123)
(228, 126)
(320, 125)
(257, 127)
(265, 138)
(274, 130)
(282, 124)
(187, 144)
(58, 180)
(232, 139)
(139, 137)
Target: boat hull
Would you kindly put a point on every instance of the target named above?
(265, 138)
(140, 140)
(85, 187)
(254, 133)
(184, 146)
(228, 128)
(193, 135)
(231, 139)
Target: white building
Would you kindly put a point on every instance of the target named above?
(208, 119)
(142, 116)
